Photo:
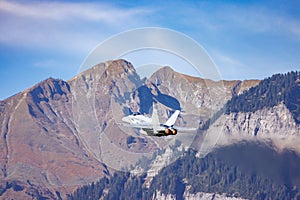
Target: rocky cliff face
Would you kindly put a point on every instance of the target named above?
(274, 124)
(196, 95)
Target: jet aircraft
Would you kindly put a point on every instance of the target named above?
(152, 126)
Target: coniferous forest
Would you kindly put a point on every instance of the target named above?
(269, 93)
(236, 171)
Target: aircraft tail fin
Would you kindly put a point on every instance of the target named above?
(155, 120)
(171, 121)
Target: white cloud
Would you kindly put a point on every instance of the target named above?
(47, 64)
(69, 11)
(64, 26)
(226, 60)
(259, 19)
(229, 67)
(239, 18)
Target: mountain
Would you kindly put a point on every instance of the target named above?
(58, 135)
(40, 150)
(255, 155)
(198, 98)
(49, 141)
(269, 111)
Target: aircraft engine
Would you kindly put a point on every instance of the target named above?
(174, 131)
(171, 131)
(167, 131)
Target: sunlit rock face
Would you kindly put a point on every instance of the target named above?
(39, 144)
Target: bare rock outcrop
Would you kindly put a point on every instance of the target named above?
(274, 124)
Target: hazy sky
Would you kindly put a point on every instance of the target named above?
(41, 39)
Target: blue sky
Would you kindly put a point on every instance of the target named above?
(246, 40)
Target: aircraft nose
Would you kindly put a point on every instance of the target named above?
(126, 119)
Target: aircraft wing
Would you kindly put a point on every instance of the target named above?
(136, 125)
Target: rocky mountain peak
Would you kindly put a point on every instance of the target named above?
(119, 68)
(49, 89)
(161, 75)
(111, 69)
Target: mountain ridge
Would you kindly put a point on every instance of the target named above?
(50, 124)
